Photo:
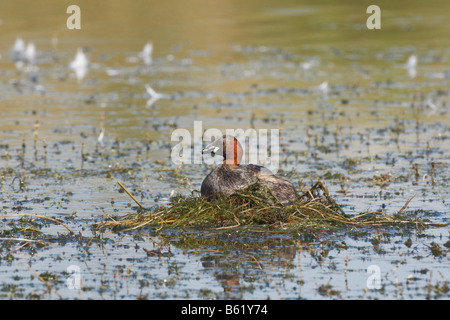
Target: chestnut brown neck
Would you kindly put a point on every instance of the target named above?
(232, 152)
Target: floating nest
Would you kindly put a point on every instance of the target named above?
(258, 209)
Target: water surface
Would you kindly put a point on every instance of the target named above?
(376, 138)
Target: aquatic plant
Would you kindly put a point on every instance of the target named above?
(257, 208)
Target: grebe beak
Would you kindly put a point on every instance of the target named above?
(211, 148)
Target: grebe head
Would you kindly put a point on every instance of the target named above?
(228, 147)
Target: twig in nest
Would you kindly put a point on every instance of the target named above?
(227, 227)
(125, 189)
(406, 204)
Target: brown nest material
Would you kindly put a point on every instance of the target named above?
(257, 207)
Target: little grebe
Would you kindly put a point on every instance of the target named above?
(230, 177)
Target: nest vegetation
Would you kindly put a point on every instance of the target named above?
(256, 207)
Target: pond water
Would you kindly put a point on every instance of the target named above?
(350, 109)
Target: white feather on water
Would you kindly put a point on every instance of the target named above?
(146, 54)
(18, 50)
(101, 136)
(154, 96)
(30, 53)
(411, 66)
(80, 64)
